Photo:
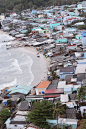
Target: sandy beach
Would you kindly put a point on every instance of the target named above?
(40, 64)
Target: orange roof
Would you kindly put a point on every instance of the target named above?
(5, 88)
(43, 84)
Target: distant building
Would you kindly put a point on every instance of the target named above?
(84, 38)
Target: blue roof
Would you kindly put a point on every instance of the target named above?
(84, 56)
(74, 89)
(81, 62)
(84, 11)
(67, 89)
(53, 25)
(84, 34)
(51, 122)
(61, 40)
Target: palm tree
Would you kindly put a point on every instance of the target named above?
(81, 93)
(58, 110)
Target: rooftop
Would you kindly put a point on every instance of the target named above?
(48, 91)
(43, 84)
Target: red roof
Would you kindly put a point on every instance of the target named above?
(71, 18)
(12, 12)
(58, 17)
(19, 38)
(71, 45)
(51, 96)
(74, 18)
(48, 91)
(50, 18)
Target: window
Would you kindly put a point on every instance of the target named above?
(39, 92)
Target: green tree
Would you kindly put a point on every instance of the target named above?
(40, 112)
(11, 25)
(11, 104)
(81, 124)
(30, 4)
(4, 115)
(57, 111)
(29, 28)
(81, 93)
(53, 75)
(83, 15)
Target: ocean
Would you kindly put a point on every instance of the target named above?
(15, 67)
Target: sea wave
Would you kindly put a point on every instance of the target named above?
(15, 67)
(13, 83)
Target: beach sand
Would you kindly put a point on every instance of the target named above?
(40, 64)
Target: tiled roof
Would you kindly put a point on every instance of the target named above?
(43, 84)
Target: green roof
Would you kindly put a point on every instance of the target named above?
(20, 89)
(7, 121)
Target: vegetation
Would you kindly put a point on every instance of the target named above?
(82, 124)
(58, 110)
(83, 15)
(81, 93)
(11, 25)
(44, 22)
(53, 75)
(72, 10)
(81, 27)
(44, 110)
(39, 113)
(4, 115)
(29, 28)
(11, 105)
(19, 5)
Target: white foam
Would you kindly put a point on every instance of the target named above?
(13, 65)
(32, 76)
(13, 83)
(16, 66)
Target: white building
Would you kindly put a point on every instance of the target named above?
(18, 122)
(84, 41)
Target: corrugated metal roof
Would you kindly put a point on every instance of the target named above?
(51, 96)
(20, 89)
(67, 69)
(48, 91)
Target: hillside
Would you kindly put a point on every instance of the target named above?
(18, 5)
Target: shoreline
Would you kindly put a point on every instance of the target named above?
(46, 63)
(40, 64)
